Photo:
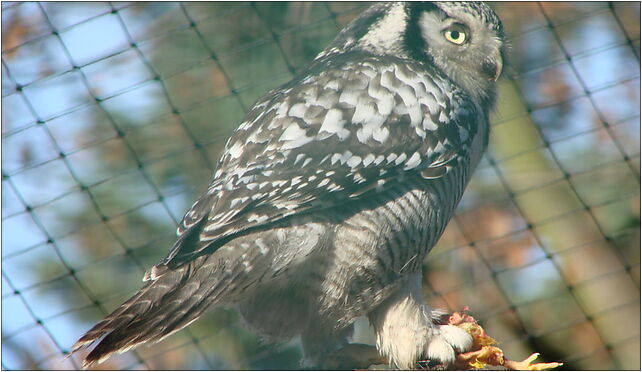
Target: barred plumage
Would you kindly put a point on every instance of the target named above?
(333, 189)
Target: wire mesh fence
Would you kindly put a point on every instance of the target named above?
(114, 115)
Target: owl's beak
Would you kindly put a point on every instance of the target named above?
(493, 68)
(498, 69)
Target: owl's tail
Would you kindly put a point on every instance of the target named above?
(167, 303)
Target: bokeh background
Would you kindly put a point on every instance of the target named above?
(115, 113)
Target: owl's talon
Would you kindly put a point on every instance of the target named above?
(446, 342)
(459, 339)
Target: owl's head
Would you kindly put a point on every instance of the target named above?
(464, 40)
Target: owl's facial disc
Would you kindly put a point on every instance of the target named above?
(465, 41)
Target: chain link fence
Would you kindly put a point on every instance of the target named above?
(114, 115)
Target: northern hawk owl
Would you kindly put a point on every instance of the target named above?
(333, 189)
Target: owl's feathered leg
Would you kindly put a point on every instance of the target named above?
(406, 331)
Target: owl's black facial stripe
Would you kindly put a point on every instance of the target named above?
(413, 41)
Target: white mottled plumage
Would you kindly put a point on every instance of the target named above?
(333, 189)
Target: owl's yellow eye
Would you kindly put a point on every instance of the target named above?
(455, 36)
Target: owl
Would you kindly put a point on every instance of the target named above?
(331, 192)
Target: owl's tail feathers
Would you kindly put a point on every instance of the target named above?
(163, 306)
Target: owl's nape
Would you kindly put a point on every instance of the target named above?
(332, 191)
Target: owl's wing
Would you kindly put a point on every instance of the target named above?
(327, 139)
